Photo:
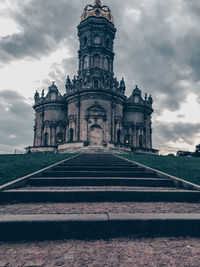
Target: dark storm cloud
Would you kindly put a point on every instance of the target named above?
(174, 132)
(157, 44)
(16, 121)
(160, 50)
(44, 25)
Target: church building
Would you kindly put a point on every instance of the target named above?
(94, 111)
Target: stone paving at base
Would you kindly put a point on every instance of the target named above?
(102, 207)
(123, 252)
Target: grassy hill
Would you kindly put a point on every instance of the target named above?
(183, 167)
(16, 166)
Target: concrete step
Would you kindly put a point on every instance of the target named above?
(69, 164)
(99, 168)
(86, 181)
(107, 225)
(99, 174)
(99, 207)
(99, 195)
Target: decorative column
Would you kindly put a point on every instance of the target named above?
(112, 115)
(34, 140)
(42, 128)
(137, 136)
(51, 127)
(53, 135)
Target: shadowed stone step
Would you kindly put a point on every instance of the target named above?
(51, 226)
(99, 174)
(95, 168)
(99, 168)
(99, 195)
(46, 181)
(97, 164)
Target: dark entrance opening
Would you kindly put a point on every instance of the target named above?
(119, 136)
(46, 139)
(140, 142)
(71, 135)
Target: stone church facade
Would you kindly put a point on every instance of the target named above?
(94, 111)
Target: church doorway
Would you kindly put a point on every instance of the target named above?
(95, 135)
(71, 135)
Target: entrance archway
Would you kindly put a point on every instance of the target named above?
(95, 135)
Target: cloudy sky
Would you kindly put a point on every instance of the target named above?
(157, 47)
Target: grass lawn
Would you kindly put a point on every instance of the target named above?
(16, 166)
(182, 167)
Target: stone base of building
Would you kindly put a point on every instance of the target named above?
(82, 147)
(41, 149)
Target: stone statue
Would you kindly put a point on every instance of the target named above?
(43, 93)
(37, 96)
(150, 100)
(68, 83)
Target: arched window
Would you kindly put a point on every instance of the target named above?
(119, 136)
(59, 138)
(96, 84)
(108, 42)
(85, 41)
(106, 63)
(46, 139)
(71, 135)
(85, 62)
(96, 61)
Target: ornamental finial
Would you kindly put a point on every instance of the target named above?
(97, 3)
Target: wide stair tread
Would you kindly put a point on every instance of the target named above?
(99, 173)
(99, 181)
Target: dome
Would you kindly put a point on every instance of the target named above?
(97, 10)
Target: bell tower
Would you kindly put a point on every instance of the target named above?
(96, 33)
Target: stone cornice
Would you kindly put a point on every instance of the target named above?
(90, 92)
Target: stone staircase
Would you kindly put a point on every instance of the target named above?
(97, 178)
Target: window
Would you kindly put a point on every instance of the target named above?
(46, 139)
(96, 61)
(97, 39)
(85, 41)
(85, 62)
(106, 63)
(71, 135)
(108, 42)
(97, 12)
(96, 84)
